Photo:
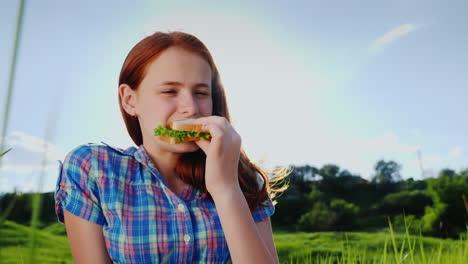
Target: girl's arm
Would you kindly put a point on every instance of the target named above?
(266, 233)
(86, 240)
(248, 242)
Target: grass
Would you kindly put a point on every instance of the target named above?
(361, 247)
(385, 247)
(15, 245)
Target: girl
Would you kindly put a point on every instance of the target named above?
(194, 202)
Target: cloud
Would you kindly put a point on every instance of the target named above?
(29, 155)
(387, 146)
(455, 152)
(388, 142)
(380, 43)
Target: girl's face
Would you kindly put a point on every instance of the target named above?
(177, 86)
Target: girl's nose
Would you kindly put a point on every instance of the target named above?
(188, 105)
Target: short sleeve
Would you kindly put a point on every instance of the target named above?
(76, 189)
(262, 212)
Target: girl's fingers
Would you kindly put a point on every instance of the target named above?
(220, 121)
(215, 130)
(203, 144)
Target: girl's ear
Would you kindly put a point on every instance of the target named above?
(128, 99)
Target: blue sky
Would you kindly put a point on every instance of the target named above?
(356, 81)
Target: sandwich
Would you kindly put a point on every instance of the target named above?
(181, 131)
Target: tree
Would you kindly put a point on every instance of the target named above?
(447, 173)
(447, 217)
(408, 202)
(345, 173)
(464, 173)
(346, 214)
(387, 172)
(329, 171)
(320, 218)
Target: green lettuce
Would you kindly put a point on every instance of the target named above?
(180, 135)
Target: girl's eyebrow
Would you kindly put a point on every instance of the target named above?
(197, 85)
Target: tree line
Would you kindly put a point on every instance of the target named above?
(333, 199)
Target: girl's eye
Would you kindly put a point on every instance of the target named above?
(169, 92)
(203, 93)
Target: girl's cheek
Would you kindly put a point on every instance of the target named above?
(207, 108)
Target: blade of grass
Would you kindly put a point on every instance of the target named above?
(1, 155)
(11, 77)
(395, 248)
(439, 253)
(421, 247)
(385, 251)
(465, 251)
(7, 211)
(408, 237)
(36, 208)
(348, 250)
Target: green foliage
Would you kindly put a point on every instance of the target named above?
(342, 201)
(403, 222)
(359, 247)
(339, 215)
(346, 214)
(447, 173)
(448, 216)
(387, 172)
(320, 218)
(329, 171)
(408, 202)
(22, 210)
(57, 229)
(431, 221)
(15, 244)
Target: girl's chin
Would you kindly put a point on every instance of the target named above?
(185, 147)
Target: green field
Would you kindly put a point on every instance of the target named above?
(361, 247)
(324, 247)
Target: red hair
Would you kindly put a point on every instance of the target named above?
(191, 166)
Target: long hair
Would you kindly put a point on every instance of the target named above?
(191, 166)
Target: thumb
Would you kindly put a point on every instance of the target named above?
(203, 144)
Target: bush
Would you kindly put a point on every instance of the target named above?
(408, 202)
(412, 222)
(320, 218)
(346, 214)
(340, 215)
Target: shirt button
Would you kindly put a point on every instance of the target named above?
(181, 207)
(186, 239)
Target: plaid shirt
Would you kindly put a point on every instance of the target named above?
(142, 220)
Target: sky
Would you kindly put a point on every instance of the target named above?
(307, 82)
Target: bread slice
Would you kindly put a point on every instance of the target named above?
(186, 125)
(173, 140)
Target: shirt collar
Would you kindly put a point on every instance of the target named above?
(129, 151)
(139, 153)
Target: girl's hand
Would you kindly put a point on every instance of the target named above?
(222, 154)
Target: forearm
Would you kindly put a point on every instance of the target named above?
(242, 236)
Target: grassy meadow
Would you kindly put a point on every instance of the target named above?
(52, 246)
